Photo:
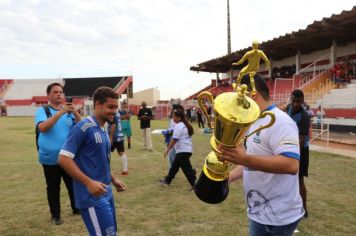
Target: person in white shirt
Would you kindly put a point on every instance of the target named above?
(182, 142)
(269, 168)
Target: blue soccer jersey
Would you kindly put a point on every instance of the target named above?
(118, 134)
(89, 146)
(51, 141)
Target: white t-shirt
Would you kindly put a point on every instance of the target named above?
(273, 199)
(171, 126)
(184, 141)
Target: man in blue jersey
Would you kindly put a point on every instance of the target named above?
(301, 117)
(86, 157)
(117, 141)
(269, 168)
(53, 123)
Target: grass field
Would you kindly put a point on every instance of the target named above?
(147, 208)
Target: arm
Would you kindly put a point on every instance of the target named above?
(277, 164)
(139, 115)
(112, 131)
(235, 174)
(77, 116)
(304, 128)
(263, 56)
(169, 147)
(49, 123)
(149, 117)
(95, 188)
(242, 59)
(71, 108)
(118, 184)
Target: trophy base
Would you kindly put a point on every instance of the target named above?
(210, 191)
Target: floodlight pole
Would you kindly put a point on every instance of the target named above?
(229, 36)
(228, 28)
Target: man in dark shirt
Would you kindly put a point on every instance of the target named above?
(145, 116)
(301, 117)
(200, 118)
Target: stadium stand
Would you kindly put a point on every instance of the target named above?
(320, 60)
(21, 97)
(340, 98)
(25, 89)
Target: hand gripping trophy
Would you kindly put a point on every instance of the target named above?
(234, 114)
(253, 56)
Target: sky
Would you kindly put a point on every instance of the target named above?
(155, 41)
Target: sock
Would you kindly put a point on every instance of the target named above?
(124, 163)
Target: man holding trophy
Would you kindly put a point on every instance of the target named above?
(247, 119)
(269, 168)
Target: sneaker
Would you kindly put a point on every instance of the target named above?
(57, 221)
(164, 182)
(125, 173)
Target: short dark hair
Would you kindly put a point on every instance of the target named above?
(102, 93)
(298, 93)
(260, 85)
(49, 87)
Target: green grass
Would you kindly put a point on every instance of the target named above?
(147, 208)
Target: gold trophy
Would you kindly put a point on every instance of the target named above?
(234, 114)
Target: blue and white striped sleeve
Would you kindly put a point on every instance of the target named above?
(284, 141)
(74, 140)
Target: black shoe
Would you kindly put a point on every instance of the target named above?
(164, 182)
(57, 221)
(129, 145)
(76, 212)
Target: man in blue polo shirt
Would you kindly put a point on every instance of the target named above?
(269, 168)
(53, 123)
(86, 157)
(301, 117)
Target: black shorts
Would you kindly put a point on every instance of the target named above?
(304, 162)
(120, 147)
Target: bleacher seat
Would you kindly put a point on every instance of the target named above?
(340, 98)
(27, 88)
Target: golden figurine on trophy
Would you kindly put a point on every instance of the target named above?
(234, 114)
(253, 56)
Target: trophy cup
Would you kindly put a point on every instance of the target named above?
(234, 114)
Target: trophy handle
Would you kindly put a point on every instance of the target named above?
(263, 115)
(201, 105)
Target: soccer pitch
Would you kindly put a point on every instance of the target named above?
(146, 207)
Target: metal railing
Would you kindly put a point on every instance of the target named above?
(319, 130)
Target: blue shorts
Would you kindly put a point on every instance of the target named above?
(100, 219)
